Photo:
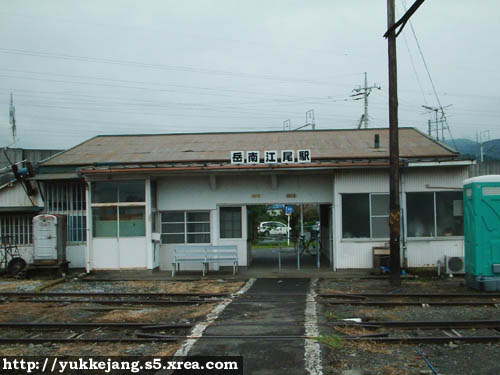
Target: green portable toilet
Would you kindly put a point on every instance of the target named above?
(482, 232)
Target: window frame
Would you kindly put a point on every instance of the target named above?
(240, 222)
(370, 217)
(185, 224)
(117, 204)
(17, 228)
(435, 224)
(68, 197)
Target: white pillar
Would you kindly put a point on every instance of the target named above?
(88, 248)
(148, 223)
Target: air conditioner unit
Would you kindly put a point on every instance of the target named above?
(454, 265)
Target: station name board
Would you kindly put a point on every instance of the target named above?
(271, 157)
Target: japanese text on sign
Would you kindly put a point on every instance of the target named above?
(271, 157)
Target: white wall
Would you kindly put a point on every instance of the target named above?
(195, 193)
(167, 251)
(357, 253)
(75, 254)
(15, 196)
(198, 193)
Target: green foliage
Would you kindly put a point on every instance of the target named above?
(333, 341)
(331, 316)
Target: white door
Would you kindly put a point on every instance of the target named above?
(133, 252)
(45, 241)
(106, 254)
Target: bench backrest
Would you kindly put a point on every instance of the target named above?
(206, 252)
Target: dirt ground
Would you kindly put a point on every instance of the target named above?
(199, 286)
(94, 312)
(452, 358)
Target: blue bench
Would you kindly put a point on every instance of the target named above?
(205, 254)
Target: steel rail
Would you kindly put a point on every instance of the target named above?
(427, 340)
(117, 301)
(241, 301)
(253, 337)
(120, 294)
(145, 338)
(145, 326)
(40, 340)
(467, 324)
(419, 295)
(413, 303)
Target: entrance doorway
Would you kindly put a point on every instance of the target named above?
(287, 236)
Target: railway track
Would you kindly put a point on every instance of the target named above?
(411, 299)
(114, 298)
(145, 332)
(67, 332)
(366, 299)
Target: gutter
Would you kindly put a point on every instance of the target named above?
(441, 163)
(308, 166)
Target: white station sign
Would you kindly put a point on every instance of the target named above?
(271, 157)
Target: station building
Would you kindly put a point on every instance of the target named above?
(130, 199)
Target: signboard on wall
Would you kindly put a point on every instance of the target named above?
(271, 157)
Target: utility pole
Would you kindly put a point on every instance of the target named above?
(482, 137)
(441, 123)
(362, 93)
(394, 172)
(394, 205)
(12, 120)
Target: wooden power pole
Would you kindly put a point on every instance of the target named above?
(394, 173)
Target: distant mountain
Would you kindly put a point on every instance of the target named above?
(467, 147)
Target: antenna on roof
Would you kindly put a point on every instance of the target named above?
(287, 125)
(309, 120)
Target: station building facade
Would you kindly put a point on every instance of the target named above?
(143, 195)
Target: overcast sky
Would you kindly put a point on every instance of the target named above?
(82, 68)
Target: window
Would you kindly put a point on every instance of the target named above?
(68, 198)
(379, 213)
(131, 221)
(77, 228)
(16, 229)
(365, 215)
(230, 222)
(435, 214)
(118, 208)
(185, 227)
(104, 220)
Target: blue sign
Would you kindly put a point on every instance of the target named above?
(288, 210)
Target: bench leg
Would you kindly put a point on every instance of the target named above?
(174, 266)
(204, 268)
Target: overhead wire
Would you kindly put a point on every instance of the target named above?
(50, 55)
(403, 2)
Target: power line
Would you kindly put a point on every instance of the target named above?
(137, 64)
(430, 77)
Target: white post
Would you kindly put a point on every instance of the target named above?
(88, 248)
(288, 231)
(301, 220)
(150, 248)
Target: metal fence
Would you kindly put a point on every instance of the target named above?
(487, 167)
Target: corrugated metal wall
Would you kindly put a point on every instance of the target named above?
(487, 167)
(434, 179)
